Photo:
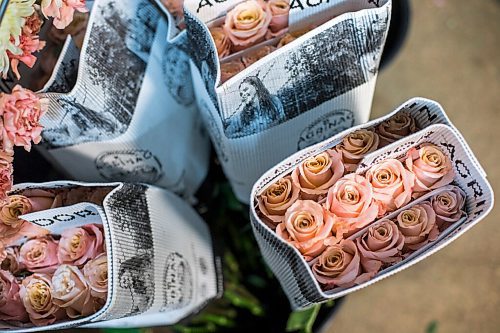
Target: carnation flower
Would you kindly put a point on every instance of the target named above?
(62, 10)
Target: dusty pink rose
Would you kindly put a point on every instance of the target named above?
(222, 42)
(21, 112)
(62, 10)
(71, 291)
(6, 171)
(11, 226)
(305, 228)
(247, 23)
(432, 168)
(279, 22)
(357, 145)
(396, 128)
(41, 200)
(36, 295)
(350, 203)
(39, 255)
(339, 266)
(10, 262)
(418, 225)
(11, 307)
(317, 174)
(28, 44)
(379, 246)
(392, 185)
(78, 245)
(276, 199)
(257, 54)
(229, 69)
(96, 273)
(449, 207)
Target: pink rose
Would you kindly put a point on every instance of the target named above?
(257, 54)
(350, 203)
(356, 145)
(305, 229)
(71, 292)
(96, 273)
(339, 266)
(41, 200)
(279, 22)
(276, 199)
(6, 171)
(21, 112)
(396, 128)
(392, 185)
(229, 69)
(449, 207)
(317, 174)
(11, 262)
(380, 245)
(418, 225)
(36, 295)
(286, 39)
(62, 10)
(247, 23)
(11, 226)
(78, 245)
(39, 255)
(11, 307)
(432, 168)
(222, 42)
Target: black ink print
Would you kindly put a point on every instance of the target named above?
(177, 74)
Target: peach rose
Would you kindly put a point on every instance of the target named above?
(36, 295)
(96, 273)
(230, 69)
(449, 207)
(350, 203)
(222, 42)
(247, 23)
(257, 54)
(392, 185)
(276, 199)
(357, 145)
(317, 174)
(11, 307)
(305, 229)
(279, 22)
(11, 226)
(78, 245)
(339, 266)
(6, 171)
(418, 225)
(71, 292)
(11, 262)
(395, 128)
(380, 245)
(432, 168)
(39, 255)
(286, 39)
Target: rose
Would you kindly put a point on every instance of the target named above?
(247, 23)
(305, 229)
(317, 174)
(62, 10)
(36, 295)
(432, 169)
(339, 265)
(11, 307)
(279, 22)
(11, 260)
(39, 255)
(257, 54)
(230, 69)
(380, 244)
(78, 245)
(395, 128)
(6, 171)
(72, 292)
(449, 207)
(286, 39)
(76, 195)
(392, 185)
(174, 7)
(96, 273)
(357, 145)
(350, 204)
(11, 226)
(41, 200)
(418, 225)
(222, 42)
(276, 199)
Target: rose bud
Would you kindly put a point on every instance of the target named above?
(230, 69)
(380, 245)
(305, 229)
(72, 292)
(39, 255)
(247, 23)
(78, 245)
(317, 174)
(279, 22)
(357, 145)
(221, 41)
(96, 273)
(11, 307)
(36, 295)
(449, 207)
(395, 128)
(432, 168)
(350, 204)
(339, 266)
(418, 225)
(276, 199)
(11, 260)
(257, 54)
(392, 185)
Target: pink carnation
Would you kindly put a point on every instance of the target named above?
(29, 44)
(62, 11)
(5, 178)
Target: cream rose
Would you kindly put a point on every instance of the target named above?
(392, 185)
(257, 54)
(36, 295)
(317, 174)
(432, 168)
(395, 128)
(418, 225)
(96, 273)
(78, 245)
(357, 145)
(230, 69)
(280, 10)
(222, 42)
(72, 292)
(305, 229)
(11, 307)
(276, 199)
(39, 255)
(449, 207)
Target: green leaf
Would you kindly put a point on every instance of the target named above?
(302, 321)
(432, 327)
(125, 330)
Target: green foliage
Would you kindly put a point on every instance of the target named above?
(302, 321)
(432, 327)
